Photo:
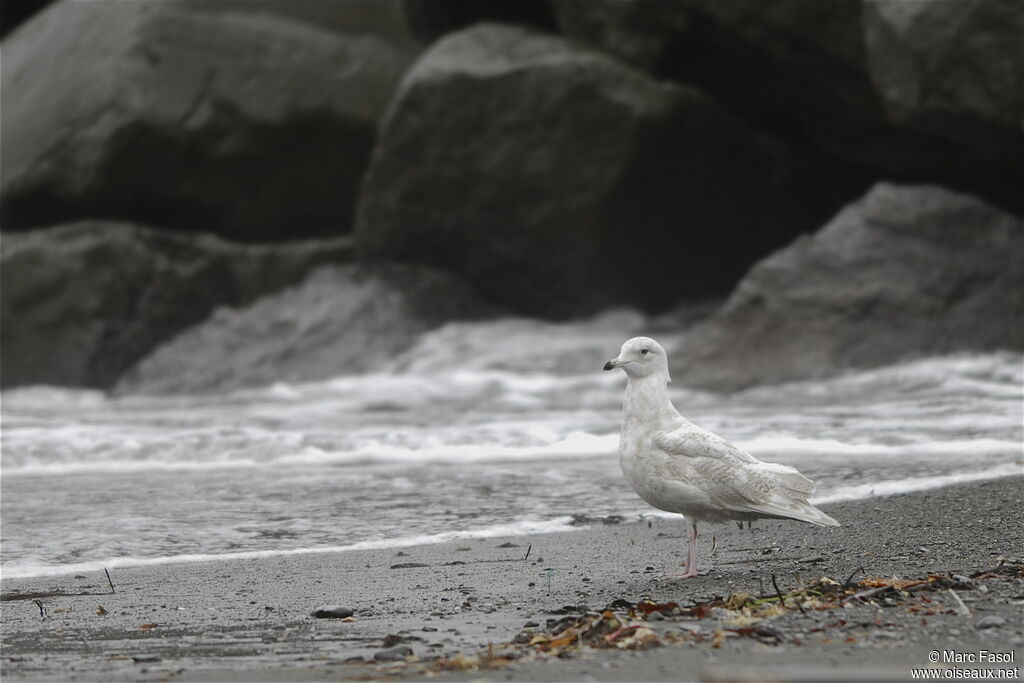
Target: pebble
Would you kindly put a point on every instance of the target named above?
(991, 621)
(332, 612)
(393, 654)
(139, 659)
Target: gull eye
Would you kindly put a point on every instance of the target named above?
(644, 352)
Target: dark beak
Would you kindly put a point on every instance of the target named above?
(610, 365)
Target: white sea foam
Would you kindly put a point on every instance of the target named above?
(322, 466)
(912, 484)
(521, 528)
(280, 451)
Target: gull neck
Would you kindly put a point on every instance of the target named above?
(647, 399)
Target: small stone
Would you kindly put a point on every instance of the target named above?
(531, 624)
(407, 565)
(393, 654)
(332, 612)
(811, 559)
(139, 659)
(991, 621)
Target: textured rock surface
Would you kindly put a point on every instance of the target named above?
(247, 125)
(927, 90)
(83, 302)
(907, 270)
(953, 68)
(398, 22)
(562, 180)
(341, 320)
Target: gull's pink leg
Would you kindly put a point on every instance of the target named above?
(690, 570)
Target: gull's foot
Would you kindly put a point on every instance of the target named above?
(684, 573)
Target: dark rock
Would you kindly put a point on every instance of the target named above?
(414, 23)
(394, 653)
(905, 271)
(343, 320)
(17, 11)
(146, 659)
(928, 90)
(556, 168)
(397, 22)
(954, 71)
(408, 565)
(83, 302)
(641, 33)
(247, 125)
(332, 612)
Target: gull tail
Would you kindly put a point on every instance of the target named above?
(799, 510)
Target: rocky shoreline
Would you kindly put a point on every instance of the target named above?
(937, 570)
(556, 158)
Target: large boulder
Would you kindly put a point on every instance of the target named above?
(248, 125)
(83, 302)
(340, 321)
(905, 271)
(398, 22)
(413, 23)
(558, 180)
(954, 68)
(928, 90)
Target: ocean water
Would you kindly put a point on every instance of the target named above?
(485, 429)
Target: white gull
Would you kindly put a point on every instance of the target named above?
(679, 467)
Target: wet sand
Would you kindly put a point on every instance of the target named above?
(250, 619)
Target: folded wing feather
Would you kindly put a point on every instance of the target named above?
(738, 480)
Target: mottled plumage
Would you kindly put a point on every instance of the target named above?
(679, 467)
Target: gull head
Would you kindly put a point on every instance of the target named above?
(641, 357)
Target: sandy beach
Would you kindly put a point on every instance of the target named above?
(585, 605)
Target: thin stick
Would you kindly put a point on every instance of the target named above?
(39, 604)
(528, 549)
(782, 601)
(963, 608)
(856, 571)
(108, 579)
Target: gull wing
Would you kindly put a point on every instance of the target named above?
(736, 480)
